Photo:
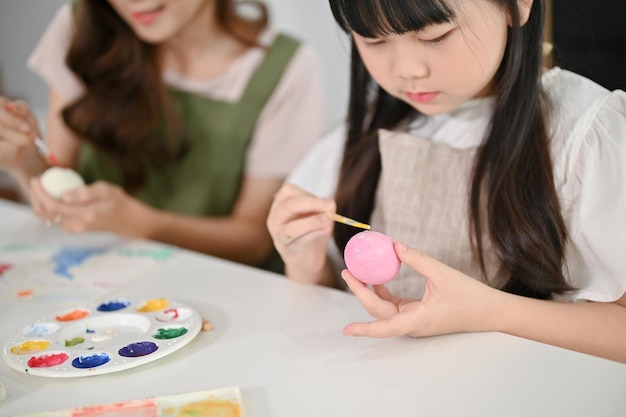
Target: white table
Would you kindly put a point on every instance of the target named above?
(281, 343)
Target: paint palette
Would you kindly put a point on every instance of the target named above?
(107, 337)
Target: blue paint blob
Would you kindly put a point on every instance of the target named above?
(138, 349)
(91, 361)
(113, 305)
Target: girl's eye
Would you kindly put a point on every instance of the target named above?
(438, 39)
(373, 42)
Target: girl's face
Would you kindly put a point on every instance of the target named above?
(158, 21)
(438, 68)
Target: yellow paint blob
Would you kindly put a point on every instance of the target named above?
(154, 305)
(211, 407)
(30, 346)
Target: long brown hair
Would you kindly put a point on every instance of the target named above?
(513, 169)
(126, 107)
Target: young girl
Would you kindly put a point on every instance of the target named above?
(183, 117)
(505, 185)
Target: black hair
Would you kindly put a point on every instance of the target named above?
(512, 177)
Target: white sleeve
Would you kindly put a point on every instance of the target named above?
(596, 257)
(318, 172)
(292, 119)
(48, 58)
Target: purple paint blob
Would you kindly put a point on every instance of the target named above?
(134, 350)
(113, 305)
(91, 361)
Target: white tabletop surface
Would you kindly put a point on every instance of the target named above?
(282, 344)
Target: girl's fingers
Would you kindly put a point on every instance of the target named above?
(306, 205)
(385, 294)
(422, 263)
(296, 214)
(377, 307)
(302, 227)
(398, 325)
(293, 199)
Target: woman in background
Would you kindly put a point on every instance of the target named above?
(183, 117)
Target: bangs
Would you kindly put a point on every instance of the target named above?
(376, 18)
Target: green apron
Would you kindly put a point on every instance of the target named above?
(207, 180)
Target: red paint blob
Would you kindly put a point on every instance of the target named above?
(46, 361)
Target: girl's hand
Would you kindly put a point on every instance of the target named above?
(300, 230)
(452, 302)
(100, 206)
(18, 128)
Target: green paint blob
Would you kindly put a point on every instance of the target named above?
(170, 333)
(75, 341)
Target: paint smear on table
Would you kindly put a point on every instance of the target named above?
(74, 273)
(4, 268)
(222, 402)
(70, 258)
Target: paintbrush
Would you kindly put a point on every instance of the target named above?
(45, 151)
(346, 220)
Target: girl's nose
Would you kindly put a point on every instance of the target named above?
(410, 63)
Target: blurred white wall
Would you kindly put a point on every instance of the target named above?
(313, 21)
(23, 21)
(21, 24)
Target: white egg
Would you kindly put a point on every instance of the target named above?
(57, 181)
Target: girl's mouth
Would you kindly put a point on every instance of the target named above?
(422, 97)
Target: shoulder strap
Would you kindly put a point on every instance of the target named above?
(270, 71)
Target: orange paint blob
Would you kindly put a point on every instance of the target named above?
(30, 346)
(24, 293)
(155, 304)
(73, 315)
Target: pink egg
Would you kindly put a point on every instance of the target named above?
(371, 258)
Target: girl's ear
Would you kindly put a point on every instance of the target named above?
(524, 11)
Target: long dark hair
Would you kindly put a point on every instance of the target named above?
(126, 108)
(512, 171)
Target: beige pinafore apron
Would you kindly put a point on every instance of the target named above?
(422, 201)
